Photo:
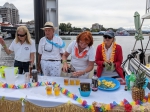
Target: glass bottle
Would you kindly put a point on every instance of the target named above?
(95, 81)
(34, 74)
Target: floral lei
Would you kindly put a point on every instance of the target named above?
(77, 53)
(112, 53)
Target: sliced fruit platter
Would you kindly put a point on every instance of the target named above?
(108, 84)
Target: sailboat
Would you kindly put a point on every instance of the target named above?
(139, 59)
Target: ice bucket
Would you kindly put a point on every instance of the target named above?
(10, 75)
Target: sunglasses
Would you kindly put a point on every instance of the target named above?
(19, 35)
(107, 37)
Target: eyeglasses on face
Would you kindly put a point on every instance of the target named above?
(107, 37)
(47, 49)
(19, 35)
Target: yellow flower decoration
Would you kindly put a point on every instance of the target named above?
(112, 53)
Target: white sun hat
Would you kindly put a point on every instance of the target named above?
(49, 25)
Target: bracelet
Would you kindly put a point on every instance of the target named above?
(4, 46)
(64, 61)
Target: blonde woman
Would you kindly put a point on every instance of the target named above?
(23, 47)
(109, 57)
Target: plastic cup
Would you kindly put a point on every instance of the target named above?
(77, 81)
(72, 81)
(66, 82)
(10, 75)
(56, 91)
(27, 77)
(48, 90)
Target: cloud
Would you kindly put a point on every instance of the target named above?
(84, 13)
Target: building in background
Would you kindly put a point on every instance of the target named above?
(9, 13)
(96, 26)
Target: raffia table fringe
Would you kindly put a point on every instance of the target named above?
(67, 107)
(115, 109)
(10, 106)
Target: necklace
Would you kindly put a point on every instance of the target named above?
(55, 44)
(77, 53)
(112, 53)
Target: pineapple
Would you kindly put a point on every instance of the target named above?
(138, 92)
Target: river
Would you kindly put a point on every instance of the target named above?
(127, 43)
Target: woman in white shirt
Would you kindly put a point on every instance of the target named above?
(82, 55)
(23, 47)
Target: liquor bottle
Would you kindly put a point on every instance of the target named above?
(95, 81)
(34, 74)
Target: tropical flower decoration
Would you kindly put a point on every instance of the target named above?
(77, 53)
(109, 67)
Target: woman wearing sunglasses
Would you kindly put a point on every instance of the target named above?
(50, 49)
(23, 47)
(109, 57)
(82, 55)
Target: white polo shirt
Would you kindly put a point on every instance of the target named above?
(49, 51)
(22, 51)
(80, 63)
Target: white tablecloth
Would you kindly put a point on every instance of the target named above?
(37, 95)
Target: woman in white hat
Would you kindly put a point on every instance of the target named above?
(23, 47)
(50, 49)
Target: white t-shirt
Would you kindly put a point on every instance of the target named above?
(80, 63)
(22, 51)
(49, 51)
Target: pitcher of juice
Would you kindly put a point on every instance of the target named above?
(48, 90)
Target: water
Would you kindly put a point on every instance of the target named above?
(127, 43)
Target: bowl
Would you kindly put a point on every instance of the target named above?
(84, 93)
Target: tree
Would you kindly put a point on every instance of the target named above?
(63, 27)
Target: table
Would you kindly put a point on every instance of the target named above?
(37, 95)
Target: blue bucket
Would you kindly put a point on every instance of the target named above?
(85, 93)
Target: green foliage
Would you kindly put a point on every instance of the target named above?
(95, 30)
(63, 27)
(140, 79)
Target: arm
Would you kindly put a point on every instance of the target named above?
(88, 69)
(64, 61)
(2, 42)
(98, 58)
(118, 61)
(32, 58)
(119, 57)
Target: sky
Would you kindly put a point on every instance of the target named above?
(84, 13)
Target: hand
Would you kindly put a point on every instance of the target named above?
(109, 62)
(65, 67)
(78, 73)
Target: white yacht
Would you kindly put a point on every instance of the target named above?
(139, 59)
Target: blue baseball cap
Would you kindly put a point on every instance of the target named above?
(109, 33)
